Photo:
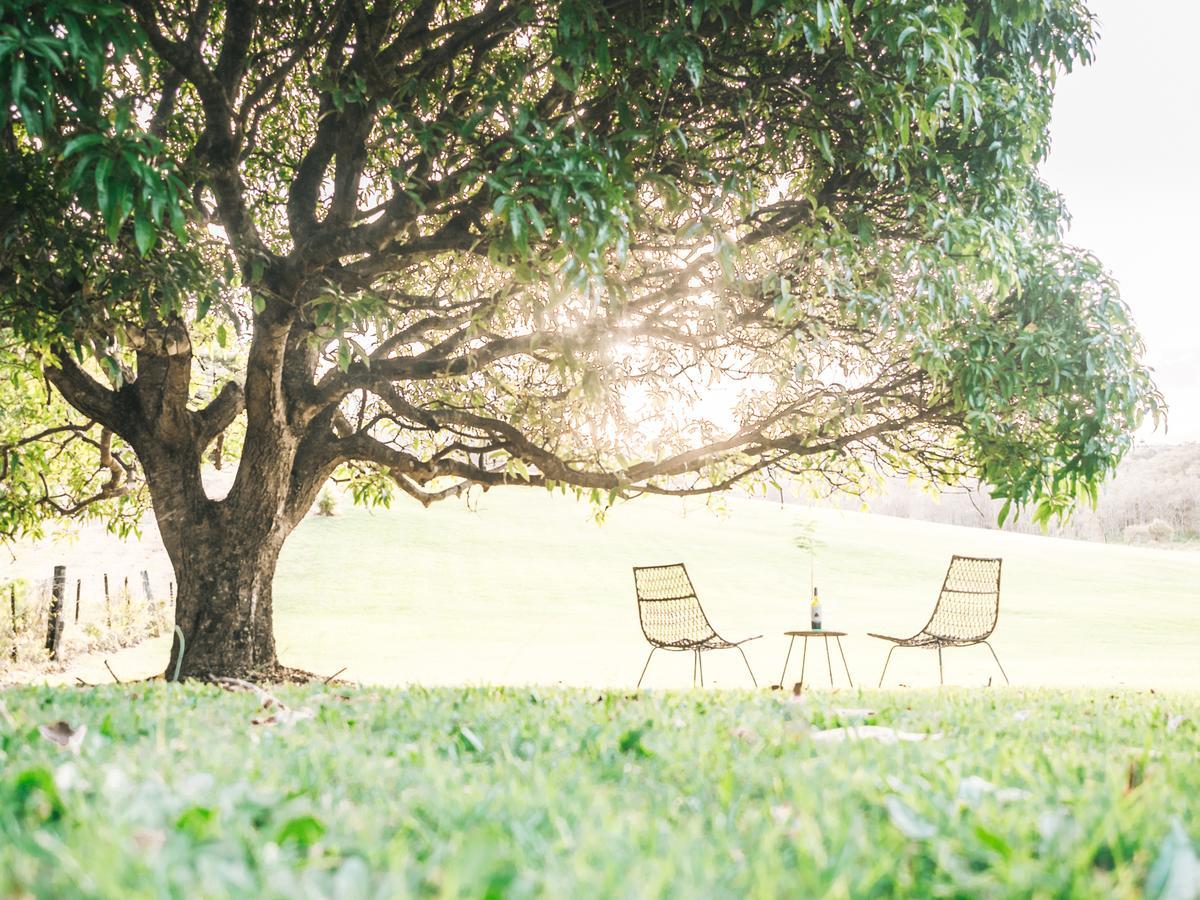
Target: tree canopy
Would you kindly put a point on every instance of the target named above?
(446, 244)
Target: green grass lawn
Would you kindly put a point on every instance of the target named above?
(574, 793)
(522, 587)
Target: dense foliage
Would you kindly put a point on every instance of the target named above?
(521, 242)
(522, 793)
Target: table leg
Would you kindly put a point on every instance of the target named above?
(828, 660)
(847, 668)
(791, 644)
(803, 662)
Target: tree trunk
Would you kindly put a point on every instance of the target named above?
(223, 604)
(224, 554)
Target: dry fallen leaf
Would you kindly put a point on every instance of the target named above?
(1175, 875)
(282, 715)
(149, 840)
(851, 713)
(64, 735)
(1135, 775)
(973, 788)
(871, 733)
(907, 821)
(781, 813)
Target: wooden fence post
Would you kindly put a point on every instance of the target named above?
(107, 605)
(78, 591)
(12, 600)
(54, 627)
(146, 588)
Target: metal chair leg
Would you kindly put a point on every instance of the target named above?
(941, 677)
(700, 660)
(750, 670)
(885, 664)
(645, 667)
(997, 659)
(695, 659)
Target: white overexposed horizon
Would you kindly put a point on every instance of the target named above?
(1125, 134)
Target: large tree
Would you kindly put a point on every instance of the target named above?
(448, 243)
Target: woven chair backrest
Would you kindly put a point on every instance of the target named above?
(669, 610)
(969, 603)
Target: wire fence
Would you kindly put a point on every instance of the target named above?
(45, 628)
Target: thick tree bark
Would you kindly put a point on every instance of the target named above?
(224, 552)
(224, 604)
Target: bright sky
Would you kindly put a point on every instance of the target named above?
(1126, 135)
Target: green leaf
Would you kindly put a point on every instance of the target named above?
(824, 145)
(469, 740)
(81, 142)
(300, 831)
(631, 741)
(198, 823)
(144, 234)
(113, 369)
(563, 78)
(35, 796)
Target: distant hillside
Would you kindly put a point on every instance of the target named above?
(1154, 499)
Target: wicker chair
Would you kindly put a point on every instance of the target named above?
(672, 618)
(966, 612)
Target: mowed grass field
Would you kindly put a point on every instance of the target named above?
(535, 789)
(521, 587)
(173, 791)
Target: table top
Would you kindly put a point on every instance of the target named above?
(814, 634)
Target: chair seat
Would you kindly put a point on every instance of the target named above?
(716, 642)
(928, 640)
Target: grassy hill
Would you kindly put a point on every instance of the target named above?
(522, 587)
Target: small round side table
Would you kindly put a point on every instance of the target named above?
(836, 635)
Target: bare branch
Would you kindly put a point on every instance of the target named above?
(220, 413)
(86, 394)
